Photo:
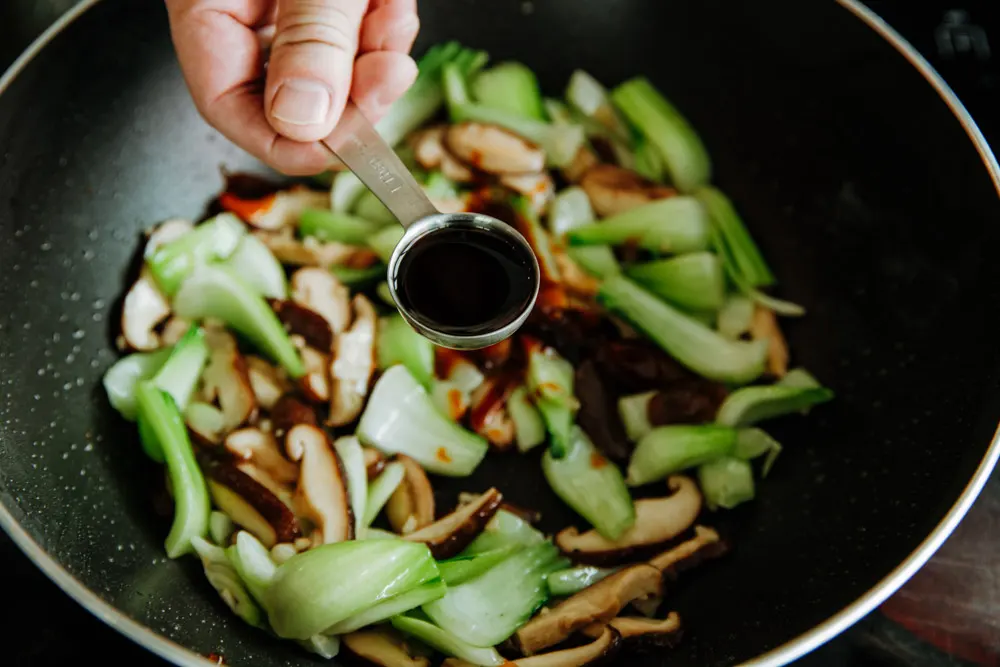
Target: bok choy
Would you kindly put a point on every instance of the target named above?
(400, 418)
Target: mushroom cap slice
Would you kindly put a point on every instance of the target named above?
(538, 188)
(449, 535)
(285, 207)
(613, 190)
(309, 251)
(494, 149)
(705, 544)
(262, 451)
(226, 379)
(173, 330)
(320, 291)
(601, 648)
(607, 642)
(584, 159)
(375, 462)
(382, 647)
(428, 146)
(651, 631)
(455, 170)
(288, 412)
(353, 364)
(322, 494)
(598, 603)
(250, 504)
(306, 322)
(764, 326)
(411, 506)
(315, 384)
(657, 521)
(144, 308)
(268, 382)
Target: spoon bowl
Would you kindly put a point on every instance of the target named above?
(518, 289)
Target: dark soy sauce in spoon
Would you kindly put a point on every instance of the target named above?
(465, 280)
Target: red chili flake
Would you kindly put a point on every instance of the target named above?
(455, 407)
(597, 461)
(442, 455)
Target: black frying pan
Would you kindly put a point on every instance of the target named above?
(863, 179)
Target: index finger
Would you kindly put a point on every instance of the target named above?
(222, 61)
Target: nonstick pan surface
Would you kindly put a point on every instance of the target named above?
(870, 192)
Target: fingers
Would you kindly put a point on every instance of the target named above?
(222, 62)
(380, 78)
(392, 25)
(311, 65)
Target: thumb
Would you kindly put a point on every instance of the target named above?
(310, 66)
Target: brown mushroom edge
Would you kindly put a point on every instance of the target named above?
(607, 644)
(599, 603)
(449, 535)
(382, 647)
(322, 492)
(657, 522)
(411, 506)
(249, 503)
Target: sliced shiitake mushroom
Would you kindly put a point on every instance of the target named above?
(283, 209)
(488, 415)
(428, 146)
(310, 251)
(538, 188)
(205, 423)
(144, 308)
(305, 322)
(598, 651)
(573, 278)
(268, 382)
(447, 536)
(282, 492)
(657, 521)
(584, 159)
(453, 169)
(764, 326)
(322, 494)
(642, 631)
(226, 379)
(383, 647)
(598, 603)
(353, 364)
(705, 544)
(493, 149)
(411, 506)
(320, 291)
(173, 330)
(262, 450)
(458, 204)
(250, 504)
(288, 412)
(614, 190)
(315, 384)
(375, 462)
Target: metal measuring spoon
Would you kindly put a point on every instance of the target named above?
(359, 146)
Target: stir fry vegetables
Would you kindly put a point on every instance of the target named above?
(308, 434)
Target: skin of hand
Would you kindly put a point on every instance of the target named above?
(273, 76)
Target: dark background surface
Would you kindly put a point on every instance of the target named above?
(949, 614)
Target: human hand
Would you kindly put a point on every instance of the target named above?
(321, 52)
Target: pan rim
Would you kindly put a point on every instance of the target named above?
(791, 650)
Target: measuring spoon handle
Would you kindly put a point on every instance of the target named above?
(358, 145)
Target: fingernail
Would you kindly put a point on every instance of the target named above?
(301, 102)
